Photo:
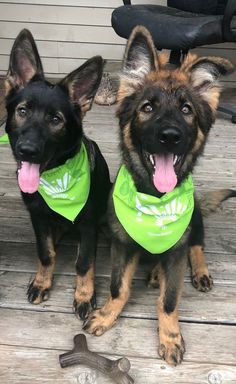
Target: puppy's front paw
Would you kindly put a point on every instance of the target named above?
(202, 282)
(172, 351)
(99, 322)
(37, 293)
(83, 308)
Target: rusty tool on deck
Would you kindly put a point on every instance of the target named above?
(117, 370)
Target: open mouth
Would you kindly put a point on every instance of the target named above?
(165, 168)
(28, 176)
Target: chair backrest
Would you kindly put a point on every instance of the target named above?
(207, 7)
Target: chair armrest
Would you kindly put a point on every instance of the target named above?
(230, 10)
(127, 2)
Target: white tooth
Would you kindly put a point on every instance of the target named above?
(175, 159)
(152, 160)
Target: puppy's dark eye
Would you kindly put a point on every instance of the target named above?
(186, 109)
(22, 111)
(147, 107)
(56, 119)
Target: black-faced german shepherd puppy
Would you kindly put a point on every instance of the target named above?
(44, 125)
(165, 117)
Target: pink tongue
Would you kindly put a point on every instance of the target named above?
(28, 177)
(164, 177)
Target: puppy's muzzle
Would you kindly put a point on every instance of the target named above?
(28, 150)
(170, 138)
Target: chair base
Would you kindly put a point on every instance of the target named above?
(229, 110)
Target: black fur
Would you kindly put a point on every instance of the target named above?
(48, 130)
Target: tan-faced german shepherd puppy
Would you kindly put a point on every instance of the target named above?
(165, 117)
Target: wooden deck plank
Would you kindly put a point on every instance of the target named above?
(218, 306)
(21, 257)
(12, 206)
(20, 365)
(200, 339)
(217, 240)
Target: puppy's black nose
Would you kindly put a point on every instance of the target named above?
(170, 136)
(29, 150)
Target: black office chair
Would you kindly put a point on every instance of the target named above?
(181, 26)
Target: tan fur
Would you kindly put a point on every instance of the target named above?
(104, 318)
(199, 141)
(84, 103)
(193, 59)
(198, 265)
(163, 59)
(44, 275)
(210, 92)
(175, 78)
(188, 62)
(170, 339)
(59, 128)
(213, 97)
(85, 286)
(8, 86)
(127, 87)
(211, 200)
(127, 137)
(17, 119)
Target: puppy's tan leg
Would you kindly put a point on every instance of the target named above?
(39, 288)
(85, 296)
(201, 278)
(123, 269)
(84, 293)
(171, 347)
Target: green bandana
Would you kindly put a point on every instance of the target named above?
(4, 139)
(65, 189)
(155, 223)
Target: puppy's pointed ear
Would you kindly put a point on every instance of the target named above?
(140, 54)
(82, 84)
(139, 60)
(24, 62)
(204, 74)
